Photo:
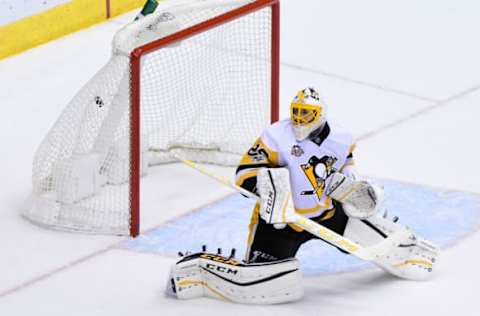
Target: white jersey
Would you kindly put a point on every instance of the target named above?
(309, 162)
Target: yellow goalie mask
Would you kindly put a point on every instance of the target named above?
(308, 113)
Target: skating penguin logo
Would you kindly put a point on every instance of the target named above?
(317, 171)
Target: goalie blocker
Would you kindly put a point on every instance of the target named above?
(216, 276)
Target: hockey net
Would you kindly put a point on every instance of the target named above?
(198, 78)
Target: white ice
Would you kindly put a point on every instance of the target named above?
(403, 75)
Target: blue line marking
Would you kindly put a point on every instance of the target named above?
(437, 215)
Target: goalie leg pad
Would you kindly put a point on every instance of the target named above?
(414, 258)
(215, 276)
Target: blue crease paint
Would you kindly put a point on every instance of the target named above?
(441, 216)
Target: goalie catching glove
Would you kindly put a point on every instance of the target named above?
(360, 199)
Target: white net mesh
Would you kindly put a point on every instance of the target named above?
(207, 97)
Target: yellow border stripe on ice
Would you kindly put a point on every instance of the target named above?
(58, 21)
(118, 7)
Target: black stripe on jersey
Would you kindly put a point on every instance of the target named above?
(251, 166)
(319, 135)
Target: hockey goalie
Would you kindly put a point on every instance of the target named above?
(304, 163)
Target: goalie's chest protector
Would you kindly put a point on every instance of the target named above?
(309, 163)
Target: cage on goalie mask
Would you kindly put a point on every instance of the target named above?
(308, 112)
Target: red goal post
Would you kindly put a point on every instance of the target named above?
(135, 84)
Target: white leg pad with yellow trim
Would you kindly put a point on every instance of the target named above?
(413, 259)
(215, 276)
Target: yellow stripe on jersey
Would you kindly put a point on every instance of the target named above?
(241, 177)
(352, 148)
(260, 153)
(316, 208)
(304, 211)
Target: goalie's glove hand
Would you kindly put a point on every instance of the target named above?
(273, 186)
(360, 199)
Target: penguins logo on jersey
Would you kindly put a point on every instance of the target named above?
(317, 171)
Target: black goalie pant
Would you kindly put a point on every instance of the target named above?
(270, 244)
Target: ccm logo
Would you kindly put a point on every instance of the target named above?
(221, 269)
(269, 207)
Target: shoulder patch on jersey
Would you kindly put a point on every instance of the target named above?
(297, 151)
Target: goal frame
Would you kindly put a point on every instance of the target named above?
(135, 82)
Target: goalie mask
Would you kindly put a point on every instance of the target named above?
(308, 113)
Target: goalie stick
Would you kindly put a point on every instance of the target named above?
(365, 253)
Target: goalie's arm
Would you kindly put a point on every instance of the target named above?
(260, 155)
(348, 168)
(369, 253)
